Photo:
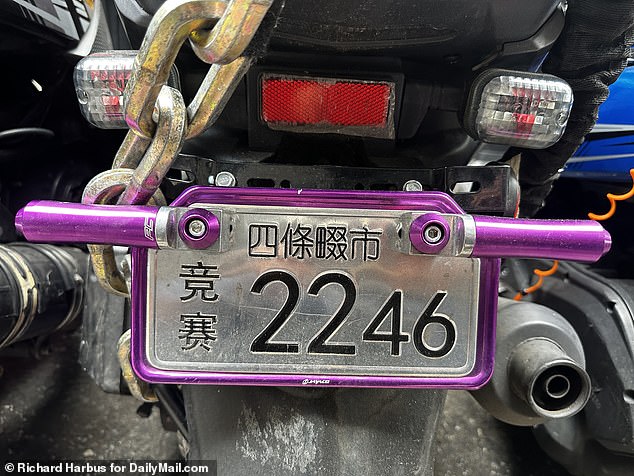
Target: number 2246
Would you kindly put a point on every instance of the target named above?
(319, 343)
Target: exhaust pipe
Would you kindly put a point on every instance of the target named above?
(547, 379)
(539, 370)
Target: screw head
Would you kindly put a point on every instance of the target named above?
(196, 228)
(413, 186)
(225, 179)
(433, 234)
(429, 233)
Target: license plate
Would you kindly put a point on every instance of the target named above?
(306, 293)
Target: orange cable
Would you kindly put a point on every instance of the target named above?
(541, 274)
(613, 199)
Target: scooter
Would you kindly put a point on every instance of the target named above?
(321, 219)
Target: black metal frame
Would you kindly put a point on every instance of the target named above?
(495, 190)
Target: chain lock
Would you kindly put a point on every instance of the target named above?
(159, 122)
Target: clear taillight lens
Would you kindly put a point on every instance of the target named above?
(522, 109)
(100, 80)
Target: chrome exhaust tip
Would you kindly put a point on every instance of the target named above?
(539, 367)
(548, 380)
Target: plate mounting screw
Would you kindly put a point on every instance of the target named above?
(225, 179)
(196, 228)
(433, 234)
(413, 186)
(429, 233)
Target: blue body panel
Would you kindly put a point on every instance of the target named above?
(608, 152)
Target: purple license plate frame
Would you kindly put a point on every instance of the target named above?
(406, 201)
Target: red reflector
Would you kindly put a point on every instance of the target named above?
(328, 105)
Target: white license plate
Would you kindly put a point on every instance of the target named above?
(305, 295)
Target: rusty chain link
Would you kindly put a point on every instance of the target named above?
(177, 20)
(102, 189)
(135, 186)
(218, 31)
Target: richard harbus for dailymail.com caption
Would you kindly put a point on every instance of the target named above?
(106, 468)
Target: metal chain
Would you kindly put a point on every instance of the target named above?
(137, 186)
(177, 20)
(219, 32)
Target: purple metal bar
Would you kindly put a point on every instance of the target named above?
(579, 240)
(60, 222)
(432, 201)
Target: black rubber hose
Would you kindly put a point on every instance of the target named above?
(9, 137)
(41, 290)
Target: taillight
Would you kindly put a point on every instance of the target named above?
(515, 108)
(325, 105)
(100, 81)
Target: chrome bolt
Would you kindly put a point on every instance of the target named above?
(196, 228)
(413, 186)
(433, 234)
(225, 179)
(211, 180)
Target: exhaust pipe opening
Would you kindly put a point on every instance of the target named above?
(557, 386)
(548, 379)
(539, 367)
(560, 388)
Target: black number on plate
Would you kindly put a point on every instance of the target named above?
(318, 344)
(261, 342)
(394, 306)
(429, 316)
